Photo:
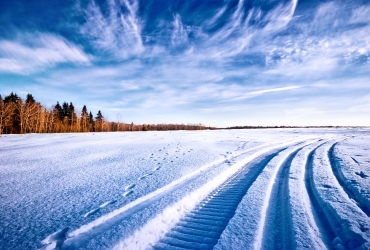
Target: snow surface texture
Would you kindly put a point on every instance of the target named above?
(227, 189)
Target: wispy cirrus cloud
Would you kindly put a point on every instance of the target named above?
(179, 37)
(117, 33)
(198, 55)
(34, 52)
(334, 41)
(244, 28)
(264, 91)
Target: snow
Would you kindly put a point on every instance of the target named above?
(353, 166)
(306, 232)
(136, 190)
(345, 218)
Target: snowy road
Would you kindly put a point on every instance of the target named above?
(245, 189)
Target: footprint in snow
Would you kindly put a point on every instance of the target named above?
(326, 186)
(130, 187)
(127, 193)
(107, 203)
(362, 174)
(157, 168)
(144, 176)
(92, 212)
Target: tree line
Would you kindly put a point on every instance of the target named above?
(18, 116)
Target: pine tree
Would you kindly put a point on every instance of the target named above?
(99, 117)
(12, 98)
(84, 118)
(58, 111)
(91, 122)
(91, 118)
(65, 110)
(14, 105)
(72, 117)
(84, 111)
(99, 121)
(30, 99)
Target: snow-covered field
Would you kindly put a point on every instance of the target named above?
(223, 189)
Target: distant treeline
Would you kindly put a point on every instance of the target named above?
(266, 127)
(18, 116)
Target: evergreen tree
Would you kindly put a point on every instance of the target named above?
(84, 118)
(84, 111)
(91, 118)
(99, 117)
(30, 99)
(91, 123)
(14, 104)
(65, 110)
(12, 98)
(99, 122)
(72, 117)
(58, 111)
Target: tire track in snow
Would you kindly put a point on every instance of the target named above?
(278, 232)
(157, 227)
(80, 236)
(306, 233)
(348, 223)
(322, 221)
(267, 182)
(359, 199)
(202, 227)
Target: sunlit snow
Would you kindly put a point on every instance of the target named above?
(221, 189)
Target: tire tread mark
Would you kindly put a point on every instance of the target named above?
(339, 176)
(279, 210)
(200, 220)
(321, 220)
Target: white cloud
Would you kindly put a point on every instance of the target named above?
(118, 33)
(179, 36)
(261, 92)
(239, 34)
(31, 53)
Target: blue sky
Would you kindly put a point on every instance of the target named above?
(220, 63)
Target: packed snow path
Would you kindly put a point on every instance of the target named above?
(260, 189)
